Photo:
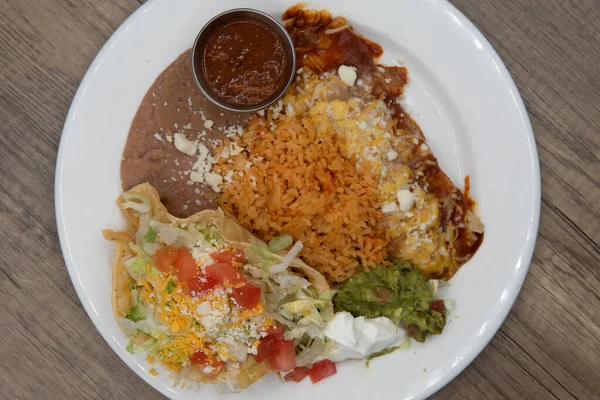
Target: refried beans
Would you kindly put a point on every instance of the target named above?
(174, 106)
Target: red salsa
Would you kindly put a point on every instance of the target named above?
(244, 63)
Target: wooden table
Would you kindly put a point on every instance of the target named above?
(549, 346)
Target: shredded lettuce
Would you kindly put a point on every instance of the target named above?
(211, 236)
(154, 271)
(149, 345)
(134, 295)
(287, 260)
(290, 281)
(138, 267)
(137, 249)
(129, 327)
(147, 325)
(171, 286)
(280, 242)
(312, 317)
(173, 235)
(301, 306)
(136, 313)
(316, 351)
(151, 247)
(151, 235)
(260, 255)
(297, 333)
(328, 295)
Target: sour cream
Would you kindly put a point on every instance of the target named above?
(360, 337)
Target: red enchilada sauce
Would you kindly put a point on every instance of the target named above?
(244, 63)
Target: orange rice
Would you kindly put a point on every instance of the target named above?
(293, 180)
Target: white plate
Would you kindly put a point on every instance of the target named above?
(463, 98)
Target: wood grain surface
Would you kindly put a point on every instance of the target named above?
(549, 347)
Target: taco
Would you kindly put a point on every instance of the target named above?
(209, 301)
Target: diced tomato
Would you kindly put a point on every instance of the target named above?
(186, 266)
(321, 370)
(438, 305)
(200, 358)
(247, 296)
(228, 256)
(284, 356)
(200, 284)
(276, 332)
(225, 272)
(265, 349)
(268, 343)
(165, 258)
(297, 375)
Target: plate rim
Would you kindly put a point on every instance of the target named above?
(516, 284)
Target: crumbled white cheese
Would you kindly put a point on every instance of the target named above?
(209, 123)
(232, 150)
(184, 145)
(232, 131)
(169, 138)
(290, 110)
(214, 181)
(347, 74)
(201, 170)
(228, 176)
(208, 369)
(158, 137)
(406, 199)
(203, 308)
(392, 155)
(388, 208)
(276, 109)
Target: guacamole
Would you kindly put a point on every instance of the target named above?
(398, 292)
